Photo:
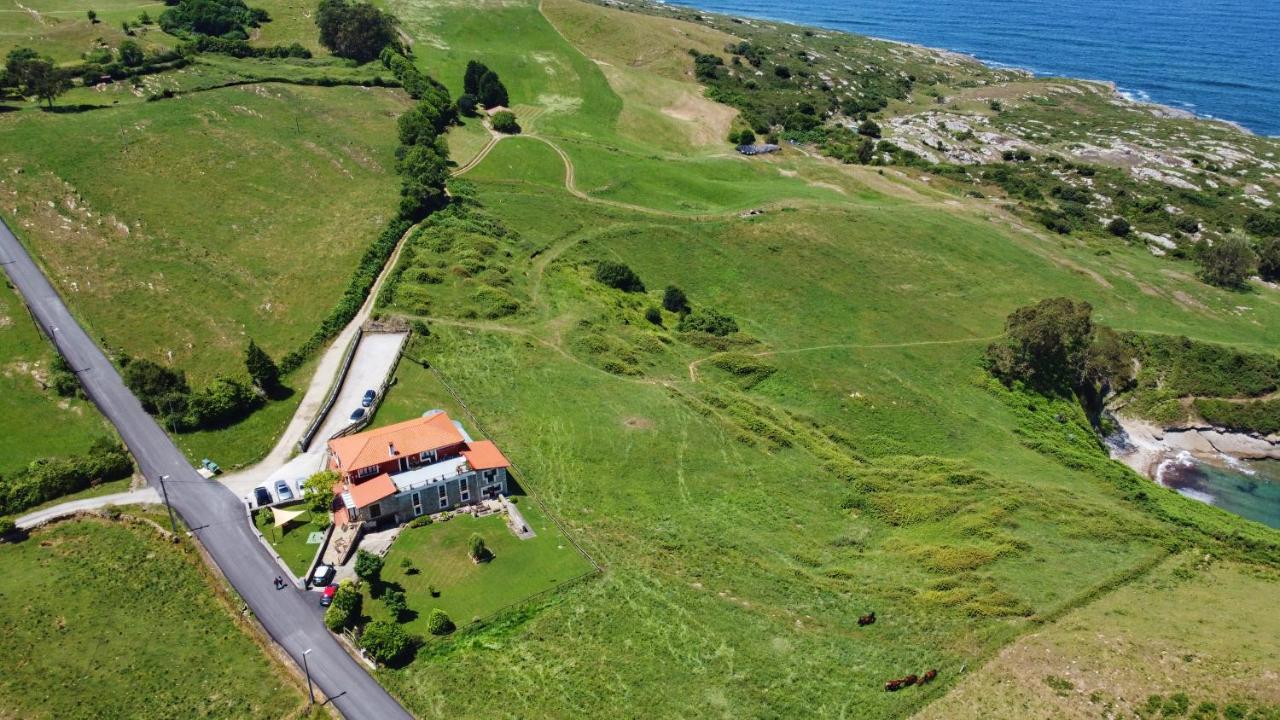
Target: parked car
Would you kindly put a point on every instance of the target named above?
(326, 597)
(262, 496)
(367, 400)
(282, 491)
(211, 466)
(357, 414)
(322, 576)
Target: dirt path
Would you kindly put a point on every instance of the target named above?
(693, 366)
(468, 166)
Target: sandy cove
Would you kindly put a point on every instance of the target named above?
(1147, 445)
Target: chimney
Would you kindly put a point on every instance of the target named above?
(391, 449)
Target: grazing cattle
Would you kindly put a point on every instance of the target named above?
(910, 680)
(893, 686)
(867, 619)
(927, 677)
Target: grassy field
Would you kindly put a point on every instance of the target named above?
(290, 541)
(414, 391)
(471, 591)
(27, 409)
(843, 453)
(1193, 634)
(63, 31)
(89, 636)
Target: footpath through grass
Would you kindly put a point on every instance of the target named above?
(100, 619)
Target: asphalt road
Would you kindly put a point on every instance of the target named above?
(213, 513)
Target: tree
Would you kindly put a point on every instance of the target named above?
(93, 17)
(317, 490)
(424, 170)
(153, 384)
(869, 128)
(491, 91)
(467, 104)
(46, 82)
(1228, 262)
(344, 611)
(674, 300)
(385, 641)
(1269, 259)
(653, 315)
(421, 124)
(708, 320)
(1119, 227)
(395, 603)
(505, 122)
(131, 54)
(438, 623)
(358, 30)
(619, 276)
(866, 150)
(1045, 345)
(476, 548)
(222, 402)
(262, 369)
(471, 78)
(368, 566)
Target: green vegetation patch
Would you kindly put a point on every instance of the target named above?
(441, 574)
(290, 540)
(90, 635)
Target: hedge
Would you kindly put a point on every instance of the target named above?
(50, 478)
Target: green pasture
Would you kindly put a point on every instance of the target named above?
(290, 540)
(89, 635)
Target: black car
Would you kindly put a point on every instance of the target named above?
(357, 414)
(261, 495)
(368, 398)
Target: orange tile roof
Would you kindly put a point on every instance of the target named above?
(484, 455)
(408, 438)
(371, 491)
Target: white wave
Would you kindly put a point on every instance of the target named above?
(1203, 497)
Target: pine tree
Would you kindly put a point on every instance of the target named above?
(262, 369)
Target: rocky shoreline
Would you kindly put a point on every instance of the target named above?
(1144, 445)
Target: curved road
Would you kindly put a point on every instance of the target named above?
(215, 515)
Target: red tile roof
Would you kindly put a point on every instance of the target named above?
(407, 438)
(371, 491)
(484, 455)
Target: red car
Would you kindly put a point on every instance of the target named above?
(326, 597)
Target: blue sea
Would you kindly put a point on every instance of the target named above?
(1216, 58)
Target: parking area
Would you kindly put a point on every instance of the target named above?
(372, 362)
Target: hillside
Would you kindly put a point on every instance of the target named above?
(804, 431)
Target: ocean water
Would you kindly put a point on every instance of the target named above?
(1216, 58)
(1249, 489)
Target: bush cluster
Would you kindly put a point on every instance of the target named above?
(226, 18)
(504, 121)
(242, 49)
(355, 30)
(164, 393)
(344, 611)
(385, 641)
(50, 478)
(708, 320)
(618, 276)
(438, 623)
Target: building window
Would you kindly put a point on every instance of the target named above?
(428, 456)
(375, 510)
(464, 492)
(367, 471)
(488, 475)
(444, 501)
(444, 492)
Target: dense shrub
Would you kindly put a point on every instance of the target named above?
(1045, 345)
(158, 388)
(476, 549)
(1269, 259)
(50, 478)
(344, 611)
(7, 527)
(438, 623)
(1261, 416)
(424, 170)
(242, 48)
(355, 30)
(1183, 367)
(385, 641)
(505, 122)
(368, 566)
(653, 315)
(227, 18)
(674, 300)
(618, 276)
(1228, 263)
(222, 402)
(708, 320)
(1119, 227)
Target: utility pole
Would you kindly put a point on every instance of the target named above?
(165, 493)
(307, 669)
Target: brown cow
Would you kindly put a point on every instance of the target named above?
(867, 619)
(893, 686)
(928, 677)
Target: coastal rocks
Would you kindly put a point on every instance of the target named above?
(1144, 446)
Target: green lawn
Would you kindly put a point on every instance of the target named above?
(89, 635)
(28, 412)
(415, 391)
(290, 541)
(472, 591)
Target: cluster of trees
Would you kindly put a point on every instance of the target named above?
(355, 30)
(505, 122)
(165, 393)
(242, 48)
(50, 478)
(317, 493)
(222, 18)
(30, 74)
(480, 84)
(1054, 347)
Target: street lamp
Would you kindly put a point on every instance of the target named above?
(305, 668)
(165, 492)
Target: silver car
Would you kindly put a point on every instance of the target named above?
(282, 491)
